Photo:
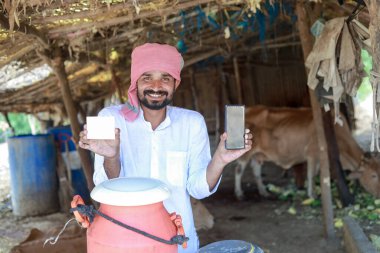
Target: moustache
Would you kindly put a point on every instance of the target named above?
(160, 92)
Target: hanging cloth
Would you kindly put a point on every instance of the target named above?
(335, 62)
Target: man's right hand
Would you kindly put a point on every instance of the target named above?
(106, 148)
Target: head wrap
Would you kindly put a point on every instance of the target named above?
(149, 57)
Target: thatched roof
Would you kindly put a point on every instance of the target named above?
(97, 37)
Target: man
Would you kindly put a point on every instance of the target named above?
(156, 140)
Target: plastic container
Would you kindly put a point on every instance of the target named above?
(34, 186)
(136, 202)
(229, 246)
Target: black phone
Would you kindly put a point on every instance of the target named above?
(235, 126)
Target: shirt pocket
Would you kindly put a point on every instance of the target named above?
(175, 167)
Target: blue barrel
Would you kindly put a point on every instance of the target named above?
(34, 184)
(63, 137)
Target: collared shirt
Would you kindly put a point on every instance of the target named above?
(177, 152)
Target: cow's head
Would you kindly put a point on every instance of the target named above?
(368, 174)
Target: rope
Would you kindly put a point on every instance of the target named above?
(53, 240)
(90, 212)
(375, 82)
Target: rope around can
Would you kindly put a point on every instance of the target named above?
(90, 212)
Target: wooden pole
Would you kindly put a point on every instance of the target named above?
(374, 33)
(336, 166)
(57, 64)
(307, 42)
(249, 96)
(220, 102)
(9, 122)
(116, 83)
(237, 80)
(193, 88)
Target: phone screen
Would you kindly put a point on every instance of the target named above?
(235, 126)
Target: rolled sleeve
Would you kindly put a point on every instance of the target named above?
(199, 160)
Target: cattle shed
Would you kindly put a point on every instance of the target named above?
(68, 59)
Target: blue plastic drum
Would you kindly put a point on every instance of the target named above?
(230, 246)
(34, 185)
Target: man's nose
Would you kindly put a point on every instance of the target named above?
(156, 83)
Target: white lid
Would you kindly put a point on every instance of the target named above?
(130, 191)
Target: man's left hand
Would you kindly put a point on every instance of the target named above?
(226, 156)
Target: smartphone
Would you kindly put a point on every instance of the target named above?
(235, 126)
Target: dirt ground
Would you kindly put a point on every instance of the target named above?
(266, 222)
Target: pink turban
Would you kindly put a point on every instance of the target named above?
(149, 57)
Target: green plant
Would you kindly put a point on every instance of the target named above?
(365, 88)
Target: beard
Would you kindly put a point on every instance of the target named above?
(155, 105)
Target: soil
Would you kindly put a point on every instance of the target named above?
(266, 222)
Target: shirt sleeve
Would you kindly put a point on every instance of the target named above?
(200, 158)
(99, 172)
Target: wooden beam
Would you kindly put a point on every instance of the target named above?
(58, 67)
(21, 52)
(307, 42)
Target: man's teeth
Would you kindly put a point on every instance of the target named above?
(155, 95)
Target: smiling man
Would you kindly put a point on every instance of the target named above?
(154, 139)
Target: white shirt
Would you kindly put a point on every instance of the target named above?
(177, 152)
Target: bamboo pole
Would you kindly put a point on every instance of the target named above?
(307, 42)
(57, 63)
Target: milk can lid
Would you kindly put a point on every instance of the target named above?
(130, 191)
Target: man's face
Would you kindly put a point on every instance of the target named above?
(155, 89)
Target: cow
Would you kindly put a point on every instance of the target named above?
(287, 137)
(203, 219)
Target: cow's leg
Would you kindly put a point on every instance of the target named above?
(311, 169)
(256, 169)
(299, 171)
(239, 170)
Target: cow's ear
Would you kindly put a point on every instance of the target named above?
(354, 175)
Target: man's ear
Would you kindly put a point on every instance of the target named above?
(176, 84)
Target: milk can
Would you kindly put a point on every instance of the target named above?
(136, 203)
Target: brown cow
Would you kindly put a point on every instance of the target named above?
(286, 136)
(203, 219)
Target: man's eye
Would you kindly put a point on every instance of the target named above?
(146, 78)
